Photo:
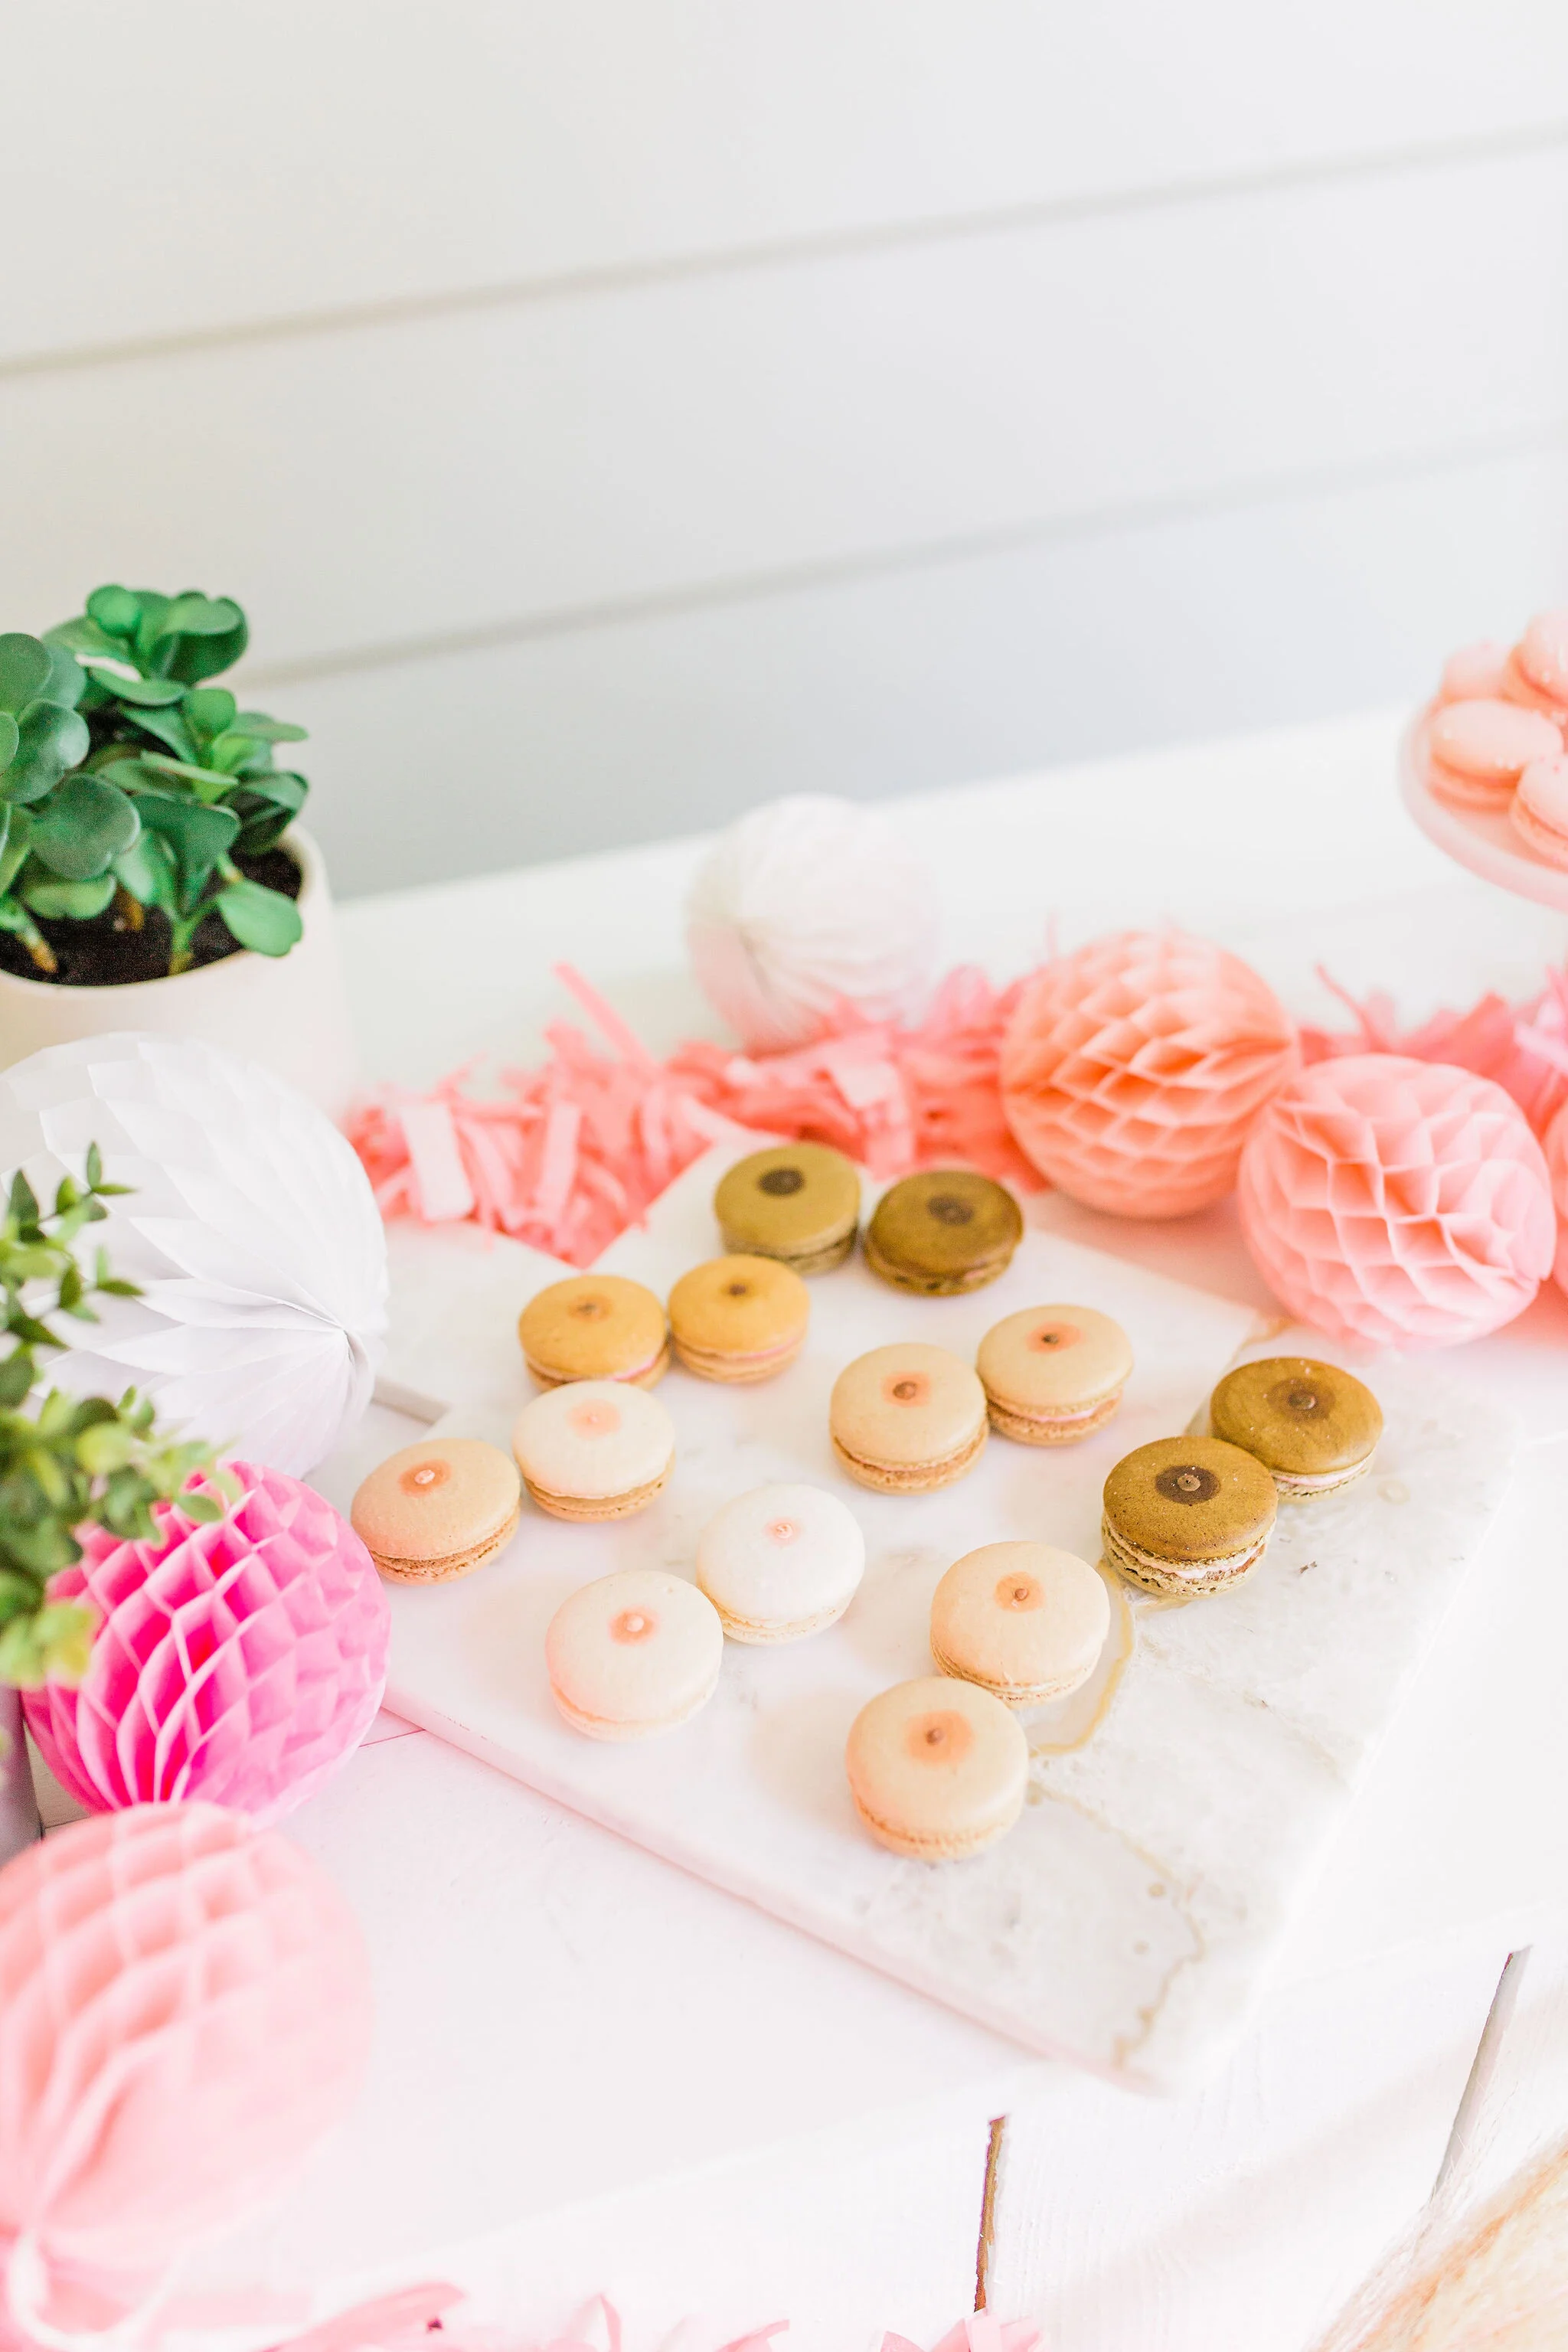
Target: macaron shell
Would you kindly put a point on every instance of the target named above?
(1490, 796)
(1192, 1501)
(593, 1442)
(1054, 1359)
(799, 1202)
(738, 1318)
(1541, 655)
(1493, 742)
(781, 1561)
(595, 1326)
(632, 1653)
(437, 1510)
(908, 1405)
(1023, 1621)
(1540, 809)
(937, 1768)
(1474, 674)
(1523, 691)
(1301, 1419)
(943, 1231)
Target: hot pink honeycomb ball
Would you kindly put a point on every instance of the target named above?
(1555, 1144)
(185, 2009)
(1399, 1202)
(1133, 1070)
(238, 1661)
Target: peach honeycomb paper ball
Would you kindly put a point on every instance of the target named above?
(1398, 1201)
(1556, 1149)
(238, 1661)
(185, 2009)
(1133, 1069)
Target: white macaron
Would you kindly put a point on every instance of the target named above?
(780, 1563)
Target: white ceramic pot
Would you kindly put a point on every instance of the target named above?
(290, 1012)
(18, 1813)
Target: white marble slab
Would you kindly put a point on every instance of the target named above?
(1179, 1807)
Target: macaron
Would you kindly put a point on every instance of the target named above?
(1313, 1427)
(781, 1563)
(632, 1653)
(1535, 675)
(1540, 809)
(907, 1418)
(1052, 1374)
(937, 1768)
(943, 1231)
(799, 1202)
(1187, 1514)
(1474, 674)
(432, 1512)
(1023, 1621)
(594, 1449)
(1478, 751)
(595, 1326)
(739, 1318)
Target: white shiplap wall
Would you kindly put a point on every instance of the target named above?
(613, 414)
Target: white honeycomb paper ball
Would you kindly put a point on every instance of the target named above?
(250, 1228)
(804, 906)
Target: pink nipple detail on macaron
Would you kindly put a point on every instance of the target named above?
(1018, 1593)
(595, 1420)
(906, 1388)
(633, 1625)
(783, 1531)
(1052, 1336)
(423, 1477)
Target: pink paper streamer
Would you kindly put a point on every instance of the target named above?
(1523, 1048)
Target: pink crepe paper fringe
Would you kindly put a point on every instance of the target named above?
(1524, 1048)
(423, 2319)
(578, 1148)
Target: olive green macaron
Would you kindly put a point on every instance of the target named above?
(945, 1231)
(1313, 1427)
(1187, 1514)
(799, 1202)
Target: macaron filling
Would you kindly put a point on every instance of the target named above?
(1159, 1573)
(912, 1478)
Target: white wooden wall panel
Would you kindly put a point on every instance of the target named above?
(1220, 621)
(389, 485)
(185, 169)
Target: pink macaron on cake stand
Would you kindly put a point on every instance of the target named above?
(1484, 841)
(1486, 684)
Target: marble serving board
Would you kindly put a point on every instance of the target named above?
(1179, 1806)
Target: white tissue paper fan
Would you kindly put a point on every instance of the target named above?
(250, 1227)
(805, 904)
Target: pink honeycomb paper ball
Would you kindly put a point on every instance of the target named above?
(1133, 1070)
(1398, 1201)
(238, 1661)
(185, 2009)
(1556, 1149)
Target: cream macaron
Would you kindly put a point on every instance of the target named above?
(937, 1768)
(432, 1512)
(632, 1653)
(781, 1563)
(907, 1418)
(594, 1449)
(1053, 1374)
(1477, 751)
(1023, 1621)
(1539, 810)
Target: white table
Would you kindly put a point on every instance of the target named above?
(593, 2071)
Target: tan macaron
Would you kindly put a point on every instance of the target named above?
(739, 1318)
(796, 1201)
(1025, 1622)
(1053, 1374)
(1313, 1427)
(1187, 1514)
(937, 1769)
(595, 1326)
(907, 1418)
(438, 1510)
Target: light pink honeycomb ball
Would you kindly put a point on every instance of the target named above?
(1133, 1070)
(184, 2010)
(1399, 1202)
(238, 1661)
(1555, 1143)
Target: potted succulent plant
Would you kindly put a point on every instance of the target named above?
(152, 875)
(66, 1461)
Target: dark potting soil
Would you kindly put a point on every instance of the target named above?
(107, 953)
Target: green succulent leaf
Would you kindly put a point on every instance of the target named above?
(261, 918)
(198, 836)
(50, 742)
(24, 671)
(66, 679)
(165, 726)
(15, 841)
(147, 871)
(115, 610)
(270, 730)
(86, 823)
(84, 636)
(140, 693)
(10, 737)
(198, 635)
(266, 807)
(76, 902)
(209, 708)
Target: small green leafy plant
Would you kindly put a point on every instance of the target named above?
(127, 779)
(67, 1462)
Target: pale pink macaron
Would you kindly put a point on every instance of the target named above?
(1025, 1622)
(594, 1449)
(632, 1653)
(1478, 751)
(1539, 810)
(1475, 673)
(1535, 675)
(937, 1769)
